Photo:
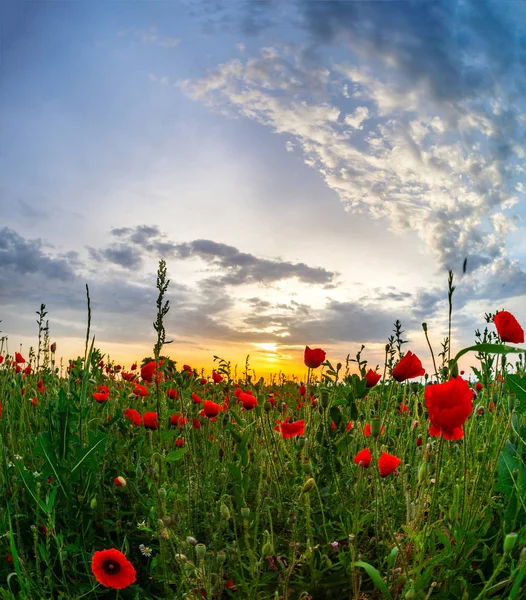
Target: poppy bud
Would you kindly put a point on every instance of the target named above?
(200, 550)
(162, 493)
(93, 503)
(375, 427)
(509, 542)
(192, 541)
(512, 402)
(301, 442)
(139, 472)
(245, 512)
(422, 472)
(308, 485)
(120, 481)
(324, 399)
(53, 347)
(424, 327)
(164, 534)
(225, 513)
(453, 368)
(221, 556)
(267, 406)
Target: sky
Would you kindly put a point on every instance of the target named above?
(309, 171)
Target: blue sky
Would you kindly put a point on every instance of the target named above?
(309, 171)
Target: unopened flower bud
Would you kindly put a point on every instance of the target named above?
(162, 493)
(120, 481)
(512, 402)
(200, 550)
(422, 472)
(225, 513)
(301, 442)
(93, 503)
(267, 406)
(375, 427)
(509, 542)
(191, 540)
(324, 399)
(221, 556)
(308, 485)
(245, 512)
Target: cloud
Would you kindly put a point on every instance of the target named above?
(236, 268)
(150, 36)
(26, 257)
(407, 128)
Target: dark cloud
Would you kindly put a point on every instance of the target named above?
(128, 257)
(18, 255)
(239, 267)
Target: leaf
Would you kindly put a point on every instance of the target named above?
(517, 385)
(488, 349)
(506, 465)
(375, 576)
(44, 449)
(89, 452)
(175, 455)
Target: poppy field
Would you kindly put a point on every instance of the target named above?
(156, 480)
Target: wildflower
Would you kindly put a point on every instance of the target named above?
(195, 423)
(36, 474)
(133, 415)
(145, 550)
(133, 367)
(478, 386)
(449, 404)
(178, 419)
(100, 397)
(112, 569)
(334, 544)
(196, 398)
(216, 377)
(142, 525)
(148, 370)
(303, 390)
(211, 409)
(350, 425)
(128, 376)
(33, 401)
(150, 420)
(140, 390)
(19, 359)
(363, 458)
(18, 457)
(249, 401)
(387, 464)
(372, 378)
(172, 394)
(508, 328)
(289, 430)
(179, 442)
(187, 368)
(120, 481)
(408, 368)
(402, 409)
(313, 357)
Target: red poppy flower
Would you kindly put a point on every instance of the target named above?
(196, 398)
(187, 368)
(508, 328)
(19, 359)
(33, 402)
(303, 390)
(449, 404)
(128, 376)
(211, 409)
(418, 441)
(349, 426)
(41, 387)
(216, 377)
(313, 357)
(1, 359)
(372, 378)
(402, 409)
(119, 481)
(140, 390)
(478, 386)
(150, 420)
(27, 370)
(112, 569)
(172, 394)
(101, 397)
(53, 347)
(249, 401)
(491, 406)
(195, 423)
(178, 419)
(387, 464)
(133, 367)
(179, 442)
(408, 368)
(133, 415)
(148, 370)
(363, 458)
(289, 430)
